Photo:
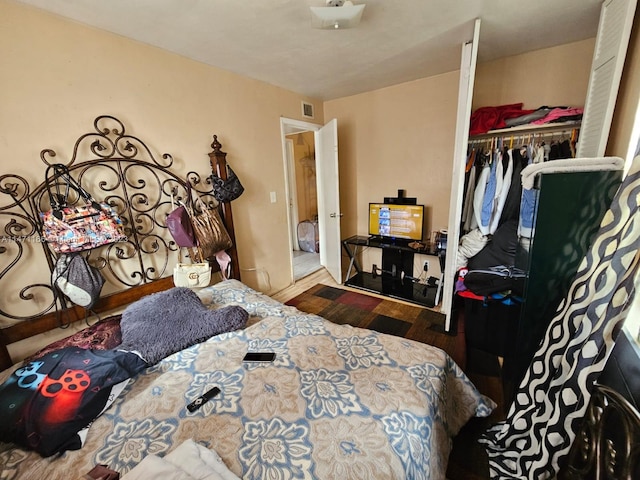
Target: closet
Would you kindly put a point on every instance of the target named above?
(616, 19)
(565, 213)
(503, 154)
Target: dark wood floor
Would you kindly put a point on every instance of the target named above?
(468, 459)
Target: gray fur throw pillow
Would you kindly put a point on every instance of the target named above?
(164, 323)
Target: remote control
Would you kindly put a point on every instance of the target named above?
(198, 402)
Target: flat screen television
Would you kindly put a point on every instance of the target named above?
(396, 221)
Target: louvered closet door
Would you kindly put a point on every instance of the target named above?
(614, 29)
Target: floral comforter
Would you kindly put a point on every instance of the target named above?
(336, 403)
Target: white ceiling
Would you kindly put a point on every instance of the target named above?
(396, 41)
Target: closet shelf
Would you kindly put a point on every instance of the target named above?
(525, 129)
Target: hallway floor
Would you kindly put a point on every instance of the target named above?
(305, 263)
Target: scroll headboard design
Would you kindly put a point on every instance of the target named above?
(117, 168)
(608, 444)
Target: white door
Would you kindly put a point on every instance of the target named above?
(614, 29)
(329, 215)
(465, 94)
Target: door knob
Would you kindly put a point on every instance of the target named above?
(334, 215)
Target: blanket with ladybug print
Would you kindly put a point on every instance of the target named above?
(47, 403)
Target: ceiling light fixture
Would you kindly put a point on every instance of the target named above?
(336, 14)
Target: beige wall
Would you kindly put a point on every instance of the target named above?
(57, 76)
(628, 101)
(553, 77)
(402, 137)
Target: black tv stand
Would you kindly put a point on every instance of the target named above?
(382, 242)
(390, 280)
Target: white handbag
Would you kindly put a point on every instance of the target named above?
(192, 275)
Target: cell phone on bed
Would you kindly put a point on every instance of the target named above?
(198, 402)
(259, 357)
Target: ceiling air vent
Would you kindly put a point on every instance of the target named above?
(307, 110)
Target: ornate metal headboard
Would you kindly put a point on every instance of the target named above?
(116, 168)
(608, 444)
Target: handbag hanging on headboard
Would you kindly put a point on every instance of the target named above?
(179, 222)
(77, 280)
(229, 189)
(192, 275)
(210, 232)
(74, 228)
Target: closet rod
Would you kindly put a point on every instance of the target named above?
(524, 137)
(545, 129)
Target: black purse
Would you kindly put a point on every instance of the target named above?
(494, 280)
(226, 190)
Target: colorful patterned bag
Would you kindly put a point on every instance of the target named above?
(74, 228)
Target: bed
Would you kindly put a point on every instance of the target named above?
(336, 402)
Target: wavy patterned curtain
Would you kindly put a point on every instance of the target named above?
(534, 440)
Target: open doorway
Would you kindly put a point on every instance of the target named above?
(323, 140)
(303, 203)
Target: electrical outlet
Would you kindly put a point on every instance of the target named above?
(426, 266)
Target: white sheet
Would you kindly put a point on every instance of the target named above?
(189, 461)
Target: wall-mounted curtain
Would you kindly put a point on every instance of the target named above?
(534, 440)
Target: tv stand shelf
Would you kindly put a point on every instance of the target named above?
(396, 257)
